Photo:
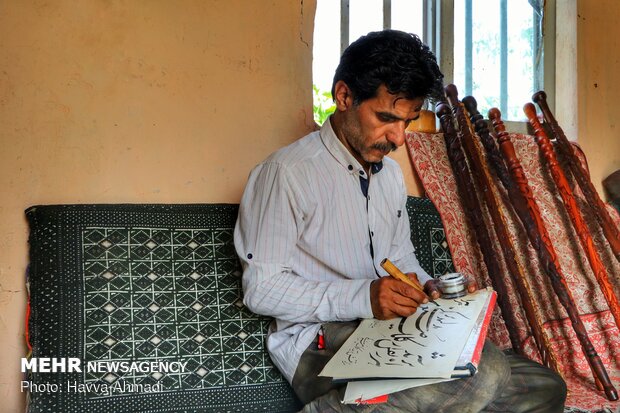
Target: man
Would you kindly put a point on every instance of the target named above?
(318, 216)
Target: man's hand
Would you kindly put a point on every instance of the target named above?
(392, 298)
(432, 287)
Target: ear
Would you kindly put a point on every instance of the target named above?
(342, 96)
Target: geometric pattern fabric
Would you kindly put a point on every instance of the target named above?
(428, 237)
(143, 283)
(428, 154)
(170, 295)
(147, 283)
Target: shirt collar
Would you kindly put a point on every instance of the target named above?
(342, 154)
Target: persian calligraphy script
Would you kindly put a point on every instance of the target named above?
(429, 341)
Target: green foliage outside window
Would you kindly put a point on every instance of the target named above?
(323, 105)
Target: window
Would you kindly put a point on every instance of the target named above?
(337, 22)
(492, 49)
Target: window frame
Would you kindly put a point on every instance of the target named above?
(438, 34)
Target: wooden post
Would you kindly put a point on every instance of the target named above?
(474, 210)
(494, 157)
(548, 258)
(581, 176)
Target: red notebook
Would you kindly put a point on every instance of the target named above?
(470, 357)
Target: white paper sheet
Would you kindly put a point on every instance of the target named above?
(369, 389)
(425, 345)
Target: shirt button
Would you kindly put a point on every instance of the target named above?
(249, 256)
(372, 234)
(350, 167)
(362, 173)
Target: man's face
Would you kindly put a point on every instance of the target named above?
(377, 126)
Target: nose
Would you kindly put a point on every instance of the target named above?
(396, 134)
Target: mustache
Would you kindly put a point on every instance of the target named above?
(385, 147)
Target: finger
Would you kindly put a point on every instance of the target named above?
(414, 277)
(404, 301)
(472, 285)
(393, 310)
(398, 308)
(412, 293)
(432, 289)
(403, 311)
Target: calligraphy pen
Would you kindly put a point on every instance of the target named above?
(399, 275)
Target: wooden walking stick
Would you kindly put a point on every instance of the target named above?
(610, 230)
(473, 211)
(484, 182)
(573, 211)
(548, 258)
(494, 157)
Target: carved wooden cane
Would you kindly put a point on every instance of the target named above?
(473, 211)
(573, 211)
(548, 258)
(534, 318)
(581, 176)
(484, 181)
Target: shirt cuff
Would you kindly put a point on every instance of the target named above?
(357, 305)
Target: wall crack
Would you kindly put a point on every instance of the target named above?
(301, 26)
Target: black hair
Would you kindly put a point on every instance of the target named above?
(396, 59)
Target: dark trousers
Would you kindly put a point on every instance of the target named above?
(503, 383)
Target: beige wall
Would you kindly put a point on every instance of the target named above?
(598, 85)
(137, 101)
(588, 81)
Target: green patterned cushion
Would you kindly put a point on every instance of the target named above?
(147, 283)
(428, 237)
(160, 283)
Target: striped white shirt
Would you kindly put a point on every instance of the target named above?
(304, 236)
